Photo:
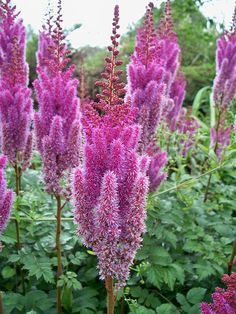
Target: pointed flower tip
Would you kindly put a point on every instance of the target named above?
(112, 88)
(233, 23)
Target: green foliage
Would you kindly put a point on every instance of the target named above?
(32, 46)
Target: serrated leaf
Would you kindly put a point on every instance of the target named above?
(14, 258)
(159, 256)
(179, 273)
(39, 267)
(196, 295)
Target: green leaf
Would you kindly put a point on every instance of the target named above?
(169, 277)
(39, 267)
(196, 295)
(183, 302)
(141, 310)
(153, 276)
(179, 273)
(33, 300)
(13, 301)
(14, 258)
(159, 256)
(201, 94)
(167, 308)
(8, 272)
(67, 298)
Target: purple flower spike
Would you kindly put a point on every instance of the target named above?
(6, 198)
(224, 88)
(224, 300)
(57, 123)
(15, 96)
(110, 190)
(155, 90)
(187, 126)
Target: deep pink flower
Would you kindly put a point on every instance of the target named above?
(224, 300)
(6, 197)
(224, 88)
(153, 86)
(110, 189)
(57, 123)
(187, 127)
(15, 96)
(177, 93)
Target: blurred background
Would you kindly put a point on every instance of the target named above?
(87, 25)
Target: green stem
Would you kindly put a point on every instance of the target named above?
(231, 261)
(110, 295)
(17, 224)
(190, 181)
(1, 302)
(207, 188)
(122, 306)
(215, 150)
(58, 252)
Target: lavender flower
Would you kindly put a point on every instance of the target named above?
(224, 88)
(154, 85)
(15, 96)
(224, 300)
(110, 189)
(187, 127)
(6, 197)
(57, 124)
(177, 93)
(149, 79)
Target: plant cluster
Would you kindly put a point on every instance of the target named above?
(131, 161)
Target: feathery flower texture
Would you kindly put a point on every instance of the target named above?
(224, 300)
(154, 85)
(110, 189)
(224, 87)
(57, 124)
(15, 96)
(147, 90)
(6, 197)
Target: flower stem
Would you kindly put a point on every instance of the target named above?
(207, 188)
(1, 303)
(215, 150)
(122, 306)
(110, 295)
(231, 261)
(58, 252)
(17, 224)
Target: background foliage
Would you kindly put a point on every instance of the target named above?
(188, 242)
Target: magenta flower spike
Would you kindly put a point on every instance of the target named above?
(224, 300)
(110, 188)
(15, 96)
(6, 198)
(177, 94)
(224, 88)
(57, 123)
(153, 86)
(187, 126)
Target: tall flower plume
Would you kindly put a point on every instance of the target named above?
(224, 87)
(15, 96)
(110, 189)
(6, 197)
(57, 123)
(151, 74)
(224, 300)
